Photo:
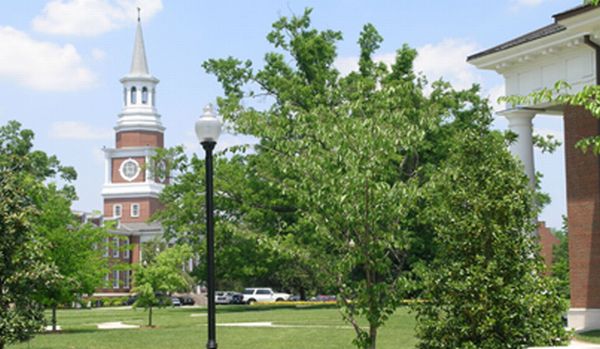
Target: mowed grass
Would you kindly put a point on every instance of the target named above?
(590, 337)
(311, 327)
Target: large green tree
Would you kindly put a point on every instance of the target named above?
(487, 287)
(25, 274)
(340, 180)
(74, 248)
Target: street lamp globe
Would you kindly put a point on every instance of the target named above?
(208, 127)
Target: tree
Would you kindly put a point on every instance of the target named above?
(75, 249)
(24, 272)
(560, 260)
(160, 277)
(486, 287)
(355, 158)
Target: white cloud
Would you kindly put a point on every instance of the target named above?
(91, 17)
(76, 130)
(98, 54)
(446, 59)
(41, 65)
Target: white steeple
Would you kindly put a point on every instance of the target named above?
(139, 92)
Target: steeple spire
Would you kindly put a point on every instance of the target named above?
(139, 65)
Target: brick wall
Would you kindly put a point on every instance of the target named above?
(139, 139)
(147, 207)
(547, 242)
(583, 199)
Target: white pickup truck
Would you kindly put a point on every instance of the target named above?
(262, 294)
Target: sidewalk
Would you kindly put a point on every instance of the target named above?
(574, 345)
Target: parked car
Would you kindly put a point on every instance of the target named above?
(186, 300)
(226, 297)
(295, 298)
(263, 294)
(175, 302)
(323, 298)
(237, 298)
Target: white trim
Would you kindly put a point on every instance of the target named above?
(122, 169)
(121, 153)
(132, 190)
(584, 319)
(131, 212)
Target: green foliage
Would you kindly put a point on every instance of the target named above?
(75, 249)
(24, 272)
(486, 288)
(560, 261)
(355, 158)
(161, 277)
(591, 2)
(588, 97)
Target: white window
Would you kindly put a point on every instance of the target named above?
(144, 95)
(105, 247)
(133, 97)
(135, 210)
(115, 248)
(117, 210)
(115, 279)
(126, 247)
(126, 279)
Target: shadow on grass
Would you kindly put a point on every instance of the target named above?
(69, 331)
(590, 336)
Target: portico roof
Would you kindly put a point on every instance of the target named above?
(545, 31)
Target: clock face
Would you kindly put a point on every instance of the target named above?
(130, 169)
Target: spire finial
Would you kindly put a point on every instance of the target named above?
(139, 10)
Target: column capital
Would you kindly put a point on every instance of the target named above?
(519, 116)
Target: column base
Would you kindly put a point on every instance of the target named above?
(584, 319)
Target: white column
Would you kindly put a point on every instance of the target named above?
(148, 172)
(520, 121)
(107, 167)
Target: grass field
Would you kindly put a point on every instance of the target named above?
(301, 328)
(590, 337)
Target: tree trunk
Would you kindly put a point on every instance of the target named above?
(302, 294)
(150, 317)
(372, 336)
(53, 318)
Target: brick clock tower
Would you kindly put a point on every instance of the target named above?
(131, 189)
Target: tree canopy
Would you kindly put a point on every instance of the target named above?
(340, 181)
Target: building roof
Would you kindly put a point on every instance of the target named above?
(548, 30)
(139, 64)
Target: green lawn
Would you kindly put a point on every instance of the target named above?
(590, 337)
(309, 327)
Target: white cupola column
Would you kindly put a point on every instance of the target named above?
(520, 121)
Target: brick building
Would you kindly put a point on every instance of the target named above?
(565, 50)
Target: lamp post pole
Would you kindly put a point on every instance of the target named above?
(208, 129)
(210, 244)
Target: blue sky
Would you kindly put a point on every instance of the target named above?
(61, 61)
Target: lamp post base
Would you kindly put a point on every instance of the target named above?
(212, 344)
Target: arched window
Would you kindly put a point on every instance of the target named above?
(144, 95)
(153, 98)
(133, 95)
